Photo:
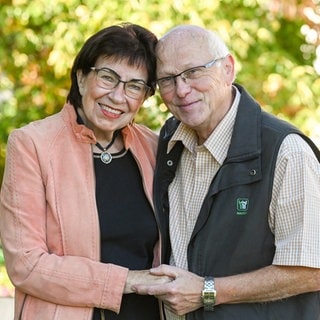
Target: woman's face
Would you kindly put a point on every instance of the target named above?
(107, 109)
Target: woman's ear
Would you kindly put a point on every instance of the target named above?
(80, 81)
(150, 92)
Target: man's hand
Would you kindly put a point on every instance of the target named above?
(144, 277)
(181, 295)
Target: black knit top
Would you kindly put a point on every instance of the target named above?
(128, 229)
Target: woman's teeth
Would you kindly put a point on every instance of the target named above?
(110, 109)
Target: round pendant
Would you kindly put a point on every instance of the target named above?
(106, 157)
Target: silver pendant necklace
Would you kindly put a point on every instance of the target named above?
(106, 156)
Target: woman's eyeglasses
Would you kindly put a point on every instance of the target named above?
(109, 79)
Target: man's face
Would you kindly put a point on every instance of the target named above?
(202, 98)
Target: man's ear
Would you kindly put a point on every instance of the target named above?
(229, 66)
(80, 81)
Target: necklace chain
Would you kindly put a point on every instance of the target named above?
(106, 156)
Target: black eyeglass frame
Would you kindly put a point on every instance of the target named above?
(118, 78)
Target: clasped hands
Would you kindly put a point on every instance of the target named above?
(180, 290)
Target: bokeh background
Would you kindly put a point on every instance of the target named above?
(276, 44)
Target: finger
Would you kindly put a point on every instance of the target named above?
(168, 307)
(166, 270)
(153, 290)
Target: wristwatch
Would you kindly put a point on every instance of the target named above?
(208, 294)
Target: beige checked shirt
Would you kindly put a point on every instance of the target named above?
(295, 205)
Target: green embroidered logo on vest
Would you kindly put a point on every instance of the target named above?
(242, 206)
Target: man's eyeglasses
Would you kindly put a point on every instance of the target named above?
(167, 84)
(109, 79)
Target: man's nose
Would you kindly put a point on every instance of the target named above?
(182, 86)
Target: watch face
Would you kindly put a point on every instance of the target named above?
(209, 296)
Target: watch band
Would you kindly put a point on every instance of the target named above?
(208, 294)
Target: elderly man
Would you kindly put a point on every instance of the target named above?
(237, 191)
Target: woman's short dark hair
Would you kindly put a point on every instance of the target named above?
(129, 42)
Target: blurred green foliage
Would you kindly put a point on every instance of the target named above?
(270, 40)
(1, 258)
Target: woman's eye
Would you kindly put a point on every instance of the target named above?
(135, 86)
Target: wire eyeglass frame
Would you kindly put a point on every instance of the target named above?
(167, 84)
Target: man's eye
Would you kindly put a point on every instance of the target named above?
(193, 73)
(165, 81)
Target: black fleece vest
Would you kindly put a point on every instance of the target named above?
(232, 233)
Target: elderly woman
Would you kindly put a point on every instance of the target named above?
(77, 221)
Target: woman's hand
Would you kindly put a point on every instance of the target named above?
(145, 278)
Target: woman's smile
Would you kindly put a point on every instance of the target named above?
(110, 112)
